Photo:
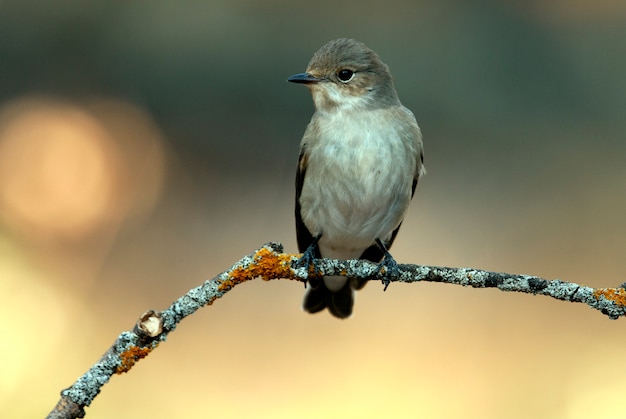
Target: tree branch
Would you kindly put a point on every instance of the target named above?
(269, 262)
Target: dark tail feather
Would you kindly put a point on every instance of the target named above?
(315, 296)
(318, 297)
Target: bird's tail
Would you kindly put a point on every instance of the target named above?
(339, 302)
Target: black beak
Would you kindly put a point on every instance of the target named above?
(304, 78)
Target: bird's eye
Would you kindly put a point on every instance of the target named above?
(345, 75)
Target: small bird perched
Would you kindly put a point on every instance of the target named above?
(360, 160)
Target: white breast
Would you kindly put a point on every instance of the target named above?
(359, 174)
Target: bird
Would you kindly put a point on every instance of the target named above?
(360, 160)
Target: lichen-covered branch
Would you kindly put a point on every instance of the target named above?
(609, 301)
(269, 262)
(153, 327)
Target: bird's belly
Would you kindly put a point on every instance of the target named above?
(360, 193)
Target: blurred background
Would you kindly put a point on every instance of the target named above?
(147, 146)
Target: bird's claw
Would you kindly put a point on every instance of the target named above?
(308, 259)
(388, 264)
(391, 270)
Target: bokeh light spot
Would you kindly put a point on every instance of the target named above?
(56, 168)
(68, 171)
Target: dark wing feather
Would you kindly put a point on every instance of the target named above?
(303, 235)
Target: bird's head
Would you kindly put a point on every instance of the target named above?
(346, 74)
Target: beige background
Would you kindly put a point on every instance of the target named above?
(147, 147)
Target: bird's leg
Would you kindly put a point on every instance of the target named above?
(308, 257)
(389, 263)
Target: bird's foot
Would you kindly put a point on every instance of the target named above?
(388, 265)
(307, 260)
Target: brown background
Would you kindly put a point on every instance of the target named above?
(146, 146)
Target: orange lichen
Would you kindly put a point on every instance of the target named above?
(131, 356)
(266, 264)
(617, 295)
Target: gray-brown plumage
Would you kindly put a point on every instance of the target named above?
(360, 160)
